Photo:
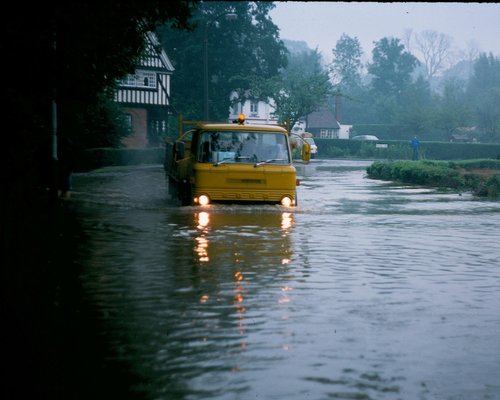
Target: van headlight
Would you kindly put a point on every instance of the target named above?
(287, 201)
(203, 200)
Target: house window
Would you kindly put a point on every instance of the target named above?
(157, 130)
(141, 79)
(328, 134)
(254, 108)
(128, 121)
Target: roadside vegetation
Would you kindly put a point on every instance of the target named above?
(84, 49)
(401, 150)
(481, 177)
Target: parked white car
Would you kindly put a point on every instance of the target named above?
(365, 137)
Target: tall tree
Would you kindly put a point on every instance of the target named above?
(408, 37)
(435, 50)
(240, 51)
(452, 110)
(391, 67)
(414, 107)
(304, 85)
(346, 69)
(483, 93)
(346, 66)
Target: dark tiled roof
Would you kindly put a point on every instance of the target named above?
(322, 119)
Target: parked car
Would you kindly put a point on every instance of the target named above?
(364, 137)
(460, 138)
(299, 138)
(314, 147)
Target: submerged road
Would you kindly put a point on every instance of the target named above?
(366, 290)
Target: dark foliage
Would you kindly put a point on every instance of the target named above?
(67, 58)
(61, 60)
(73, 52)
(242, 51)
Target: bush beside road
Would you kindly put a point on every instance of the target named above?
(481, 177)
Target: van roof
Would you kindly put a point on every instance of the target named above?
(238, 127)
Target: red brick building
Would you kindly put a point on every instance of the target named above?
(145, 97)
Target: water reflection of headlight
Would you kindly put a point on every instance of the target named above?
(280, 223)
(203, 219)
(286, 221)
(202, 249)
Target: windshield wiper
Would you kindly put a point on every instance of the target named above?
(251, 158)
(268, 161)
(223, 161)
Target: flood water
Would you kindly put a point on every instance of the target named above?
(366, 290)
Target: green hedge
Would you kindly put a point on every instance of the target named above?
(447, 174)
(400, 150)
(104, 157)
(327, 148)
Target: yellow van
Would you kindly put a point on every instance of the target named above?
(232, 162)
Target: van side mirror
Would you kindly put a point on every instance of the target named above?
(180, 148)
(306, 152)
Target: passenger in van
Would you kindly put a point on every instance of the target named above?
(249, 147)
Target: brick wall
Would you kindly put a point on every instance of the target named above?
(139, 138)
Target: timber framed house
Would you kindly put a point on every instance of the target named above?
(145, 97)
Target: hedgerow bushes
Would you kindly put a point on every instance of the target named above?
(104, 157)
(401, 150)
(461, 175)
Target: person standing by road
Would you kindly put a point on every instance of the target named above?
(415, 145)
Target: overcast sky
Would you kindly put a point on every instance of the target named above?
(320, 24)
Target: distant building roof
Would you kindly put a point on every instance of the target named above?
(155, 50)
(322, 119)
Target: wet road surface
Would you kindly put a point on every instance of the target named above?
(366, 290)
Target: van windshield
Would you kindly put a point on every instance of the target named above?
(219, 147)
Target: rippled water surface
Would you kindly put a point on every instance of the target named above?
(366, 290)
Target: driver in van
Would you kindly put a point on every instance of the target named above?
(249, 147)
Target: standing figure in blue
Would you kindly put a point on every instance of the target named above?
(415, 145)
